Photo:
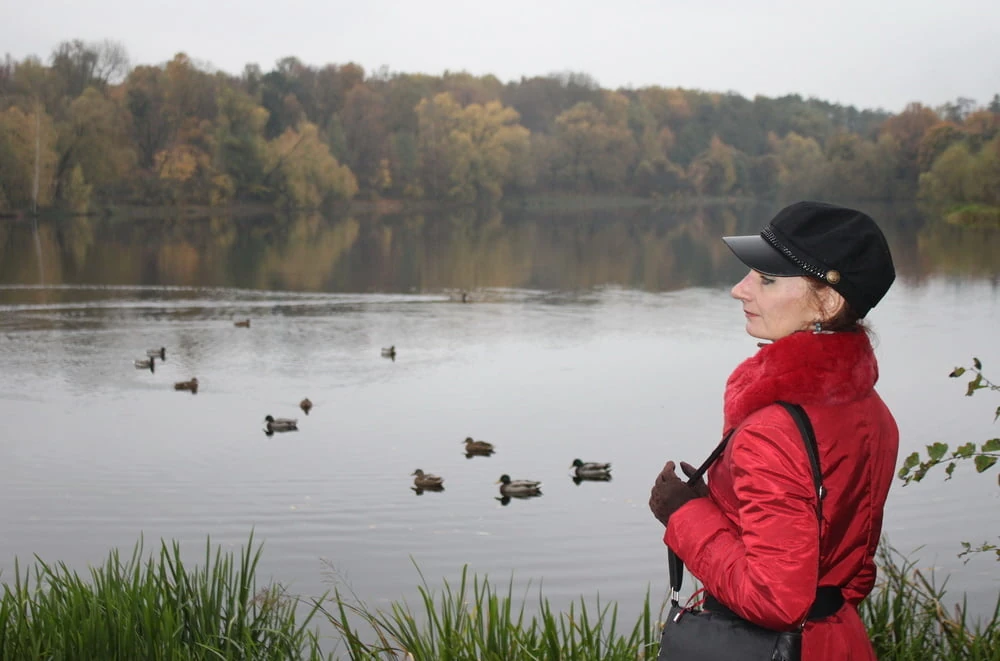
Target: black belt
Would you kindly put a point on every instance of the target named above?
(828, 601)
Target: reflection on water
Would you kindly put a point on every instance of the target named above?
(607, 336)
(460, 251)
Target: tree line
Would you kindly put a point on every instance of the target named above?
(87, 130)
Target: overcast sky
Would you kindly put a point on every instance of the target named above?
(868, 53)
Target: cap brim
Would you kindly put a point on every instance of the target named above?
(761, 256)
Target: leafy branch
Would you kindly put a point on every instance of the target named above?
(984, 456)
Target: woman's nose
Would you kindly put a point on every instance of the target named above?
(740, 290)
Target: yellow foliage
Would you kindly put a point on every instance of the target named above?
(18, 131)
(179, 163)
(307, 173)
(467, 153)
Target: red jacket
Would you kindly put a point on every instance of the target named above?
(753, 544)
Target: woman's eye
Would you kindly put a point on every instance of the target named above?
(764, 280)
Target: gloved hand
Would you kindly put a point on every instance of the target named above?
(700, 488)
(669, 494)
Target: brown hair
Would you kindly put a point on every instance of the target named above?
(845, 320)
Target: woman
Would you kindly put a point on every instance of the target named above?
(751, 535)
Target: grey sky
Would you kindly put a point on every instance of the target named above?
(869, 53)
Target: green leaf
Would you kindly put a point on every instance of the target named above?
(949, 469)
(984, 462)
(978, 365)
(965, 451)
(937, 451)
(911, 461)
(997, 415)
(957, 372)
(992, 445)
(974, 385)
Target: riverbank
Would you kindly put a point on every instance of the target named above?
(159, 607)
(549, 203)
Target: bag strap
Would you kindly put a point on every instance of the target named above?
(675, 565)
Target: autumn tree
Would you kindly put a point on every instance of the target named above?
(468, 154)
(20, 133)
(594, 154)
(302, 173)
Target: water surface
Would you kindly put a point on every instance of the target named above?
(603, 337)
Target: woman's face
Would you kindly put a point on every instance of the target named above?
(776, 307)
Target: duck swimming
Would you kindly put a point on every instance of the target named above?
(427, 481)
(591, 470)
(242, 324)
(161, 353)
(148, 364)
(305, 405)
(191, 385)
(478, 447)
(518, 488)
(281, 424)
(389, 352)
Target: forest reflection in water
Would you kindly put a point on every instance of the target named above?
(647, 249)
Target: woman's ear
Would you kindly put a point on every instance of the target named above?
(830, 303)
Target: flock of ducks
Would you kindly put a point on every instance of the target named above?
(149, 363)
(191, 386)
(591, 471)
(509, 488)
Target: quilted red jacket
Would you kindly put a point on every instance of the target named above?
(754, 544)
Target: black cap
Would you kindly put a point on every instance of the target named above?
(841, 247)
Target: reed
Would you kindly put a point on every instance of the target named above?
(907, 619)
(153, 609)
(159, 609)
(475, 620)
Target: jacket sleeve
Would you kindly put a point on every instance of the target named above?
(765, 566)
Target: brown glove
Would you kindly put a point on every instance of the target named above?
(669, 494)
(700, 488)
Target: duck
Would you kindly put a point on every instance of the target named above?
(305, 405)
(389, 352)
(518, 488)
(161, 353)
(591, 470)
(427, 481)
(478, 447)
(242, 324)
(148, 364)
(281, 424)
(191, 385)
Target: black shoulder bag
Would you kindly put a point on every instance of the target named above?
(718, 634)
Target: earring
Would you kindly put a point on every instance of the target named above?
(817, 328)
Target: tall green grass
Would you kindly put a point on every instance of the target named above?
(159, 609)
(908, 619)
(474, 620)
(153, 609)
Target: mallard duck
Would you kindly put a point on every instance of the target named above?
(518, 488)
(191, 385)
(281, 424)
(426, 480)
(591, 470)
(478, 447)
(305, 405)
(161, 353)
(242, 324)
(148, 364)
(389, 352)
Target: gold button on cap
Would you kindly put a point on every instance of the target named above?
(833, 277)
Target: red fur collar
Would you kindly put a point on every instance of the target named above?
(802, 368)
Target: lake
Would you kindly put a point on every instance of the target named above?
(604, 335)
